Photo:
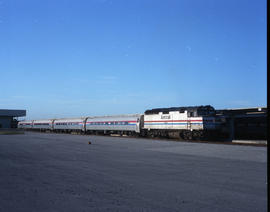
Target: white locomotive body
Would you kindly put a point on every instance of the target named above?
(187, 122)
(172, 120)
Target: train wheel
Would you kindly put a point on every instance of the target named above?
(187, 135)
(197, 135)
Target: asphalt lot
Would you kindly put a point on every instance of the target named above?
(60, 172)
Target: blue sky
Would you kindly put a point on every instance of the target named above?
(96, 57)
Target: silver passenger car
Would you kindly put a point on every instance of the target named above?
(25, 124)
(45, 124)
(69, 124)
(118, 123)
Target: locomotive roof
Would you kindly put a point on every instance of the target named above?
(181, 109)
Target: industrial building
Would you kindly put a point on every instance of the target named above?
(9, 118)
(245, 123)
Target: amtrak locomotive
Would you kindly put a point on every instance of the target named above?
(189, 123)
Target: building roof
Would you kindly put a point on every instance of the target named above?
(12, 113)
(244, 112)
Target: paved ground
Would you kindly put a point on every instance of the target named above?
(54, 172)
(263, 142)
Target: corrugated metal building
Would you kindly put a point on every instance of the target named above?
(8, 118)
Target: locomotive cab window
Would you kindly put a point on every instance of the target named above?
(190, 114)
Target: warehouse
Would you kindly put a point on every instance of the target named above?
(246, 123)
(8, 118)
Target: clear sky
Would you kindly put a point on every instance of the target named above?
(68, 58)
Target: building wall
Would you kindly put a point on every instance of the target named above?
(5, 121)
(251, 127)
(245, 123)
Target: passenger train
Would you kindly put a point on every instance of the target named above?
(189, 123)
